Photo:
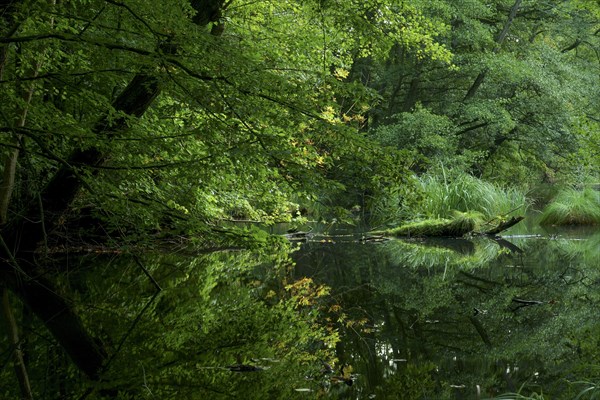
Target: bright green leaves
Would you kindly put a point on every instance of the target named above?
(305, 293)
(245, 121)
(372, 28)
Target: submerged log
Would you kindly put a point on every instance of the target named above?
(458, 226)
(463, 224)
(504, 225)
(431, 228)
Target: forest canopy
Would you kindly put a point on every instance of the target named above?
(191, 113)
(131, 124)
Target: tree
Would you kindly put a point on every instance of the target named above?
(517, 94)
(171, 117)
(40, 211)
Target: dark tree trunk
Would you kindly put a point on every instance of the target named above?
(413, 92)
(22, 235)
(499, 40)
(63, 323)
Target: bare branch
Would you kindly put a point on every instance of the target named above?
(19, 362)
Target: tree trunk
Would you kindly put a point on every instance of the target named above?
(6, 189)
(412, 95)
(20, 237)
(499, 40)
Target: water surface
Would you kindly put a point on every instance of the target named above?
(336, 318)
(464, 319)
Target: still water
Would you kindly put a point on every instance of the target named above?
(333, 317)
(466, 319)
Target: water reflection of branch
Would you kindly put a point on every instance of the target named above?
(526, 303)
(508, 245)
(481, 330)
(478, 278)
(481, 288)
(140, 314)
(564, 277)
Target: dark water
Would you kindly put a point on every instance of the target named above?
(466, 319)
(336, 318)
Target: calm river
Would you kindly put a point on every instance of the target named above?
(466, 319)
(334, 318)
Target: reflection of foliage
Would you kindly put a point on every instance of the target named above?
(506, 322)
(443, 253)
(304, 293)
(413, 381)
(216, 314)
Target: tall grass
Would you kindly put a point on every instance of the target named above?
(388, 206)
(573, 207)
(443, 196)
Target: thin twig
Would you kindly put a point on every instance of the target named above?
(138, 317)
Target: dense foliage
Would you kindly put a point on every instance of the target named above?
(519, 101)
(133, 125)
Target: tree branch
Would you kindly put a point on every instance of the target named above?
(499, 40)
(19, 362)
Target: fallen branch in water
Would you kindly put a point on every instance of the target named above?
(526, 303)
(504, 225)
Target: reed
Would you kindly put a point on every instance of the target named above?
(573, 207)
(442, 196)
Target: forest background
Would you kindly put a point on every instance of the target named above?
(130, 125)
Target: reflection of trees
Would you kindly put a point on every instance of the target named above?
(414, 318)
(216, 314)
(483, 316)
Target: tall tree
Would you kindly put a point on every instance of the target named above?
(40, 214)
(161, 117)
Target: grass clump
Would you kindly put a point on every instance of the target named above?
(573, 207)
(465, 193)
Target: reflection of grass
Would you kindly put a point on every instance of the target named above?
(573, 207)
(518, 396)
(586, 250)
(426, 255)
